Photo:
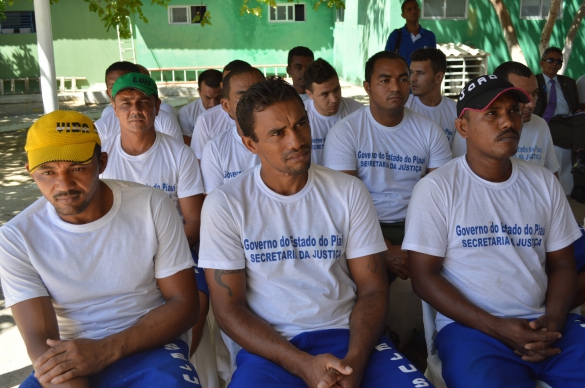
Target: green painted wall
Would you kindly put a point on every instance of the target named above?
(231, 36)
(83, 48)
(81, 45)
(369, 22)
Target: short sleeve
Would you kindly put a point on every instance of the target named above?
(169, 126)
(339, 153)
(440, 150)
(391, 43)
(20, 280)
(199, 139)
(186, 120)
(426, 229)
(211, 168)
(563, 229)
(551, 161)
(173, 253)
(221, 246)
(190, 182)
(459, 145)
(365, 235)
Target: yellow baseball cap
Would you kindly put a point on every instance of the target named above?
(61, 136)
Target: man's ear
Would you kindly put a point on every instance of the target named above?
(288, 70)
(27, 169)
(439, 77)
(367, 87)
(310, 94)
(157, 105)
(103, 160)
(250, 144)
(225, 104)
(462, 126)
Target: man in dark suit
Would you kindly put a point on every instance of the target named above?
(558, 104)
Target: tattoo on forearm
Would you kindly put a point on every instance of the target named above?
(220, 272)
(373, 263)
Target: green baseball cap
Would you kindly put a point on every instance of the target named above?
(137, 81)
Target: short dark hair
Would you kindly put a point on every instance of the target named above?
(551, 50)
(212, 78)
(381, 55)
(318, 72)
(261, 96)
(505, 69)
(404, 3)
(235, 64)
(299, 51)
(126, 66)
(234, 73)
(437, 57)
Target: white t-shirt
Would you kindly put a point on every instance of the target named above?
(297, 277)
(210, 123)
(320, 125)
(443, 114)
(224, 158)
(304, 96)
(109, 124)
(389, 160)
(581, 89)
(168, 165)
(535, 145)
(170, 110)
(101, 276)
(493, 236)
(188, 116)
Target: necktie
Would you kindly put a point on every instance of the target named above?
(549, 112)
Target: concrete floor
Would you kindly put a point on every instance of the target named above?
(18, 191)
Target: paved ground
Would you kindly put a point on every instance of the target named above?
(17, 191)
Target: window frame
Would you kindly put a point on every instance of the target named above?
(541, 16)
(190, 17)
(32, 27)
(287, 20)
(444, 17)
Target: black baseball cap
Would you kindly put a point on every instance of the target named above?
(479, 93)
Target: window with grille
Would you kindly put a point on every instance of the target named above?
(185, 14)
(18, 22)
(444, 9)
(287, 13)
(537, 9)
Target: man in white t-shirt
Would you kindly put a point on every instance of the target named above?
(325, 106)
(389, 147)
(141, 154)
(225, 156)
(209, 89)
(427, 70)
(215, 120)
(164, 107)
(98, 273)
(303, 290)
(298, 59)
(109, 125)
(490, 242)
(535, 145)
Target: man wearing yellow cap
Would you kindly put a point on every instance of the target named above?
(98, 272)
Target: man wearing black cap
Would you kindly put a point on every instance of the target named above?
(489, 239)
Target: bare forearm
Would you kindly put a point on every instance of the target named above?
(562, 284)
(366, 325)
(449, 301)
(258, 337)
(580, 295)
(192, 229)
(156, 328)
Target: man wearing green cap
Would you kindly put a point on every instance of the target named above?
(140, 154)
(97, 272)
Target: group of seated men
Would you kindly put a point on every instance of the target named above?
(295, 257)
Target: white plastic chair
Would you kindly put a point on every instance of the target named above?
(434, 366)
